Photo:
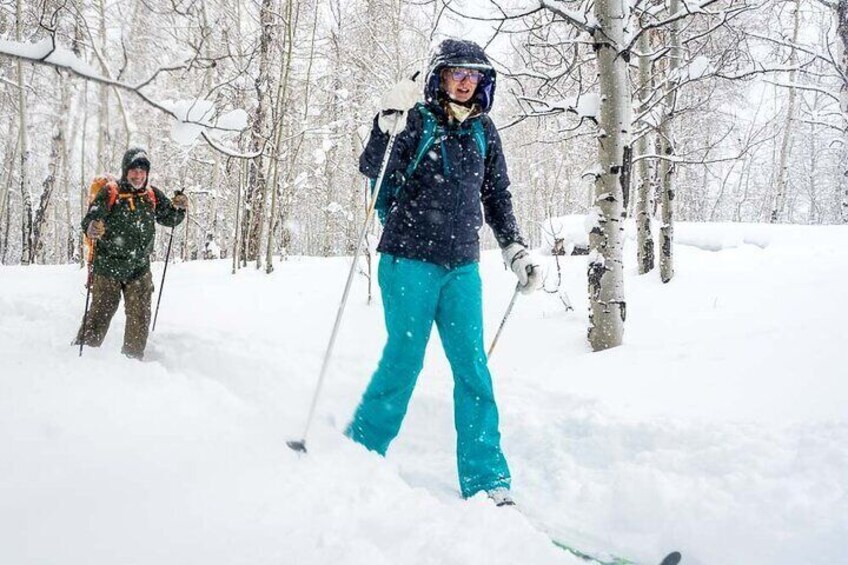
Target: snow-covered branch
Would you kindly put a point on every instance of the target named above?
(690, 9)
(807, 87)
(45, 52)
(581, 19)
(798, 47)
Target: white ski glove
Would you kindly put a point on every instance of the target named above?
(524, 265)
(395, 105)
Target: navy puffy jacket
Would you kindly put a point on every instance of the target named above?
(437, 213)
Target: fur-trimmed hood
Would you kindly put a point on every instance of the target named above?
(461, 53)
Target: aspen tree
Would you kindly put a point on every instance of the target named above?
(785, 144)
(606, 239)
(666, 167)
(644, 237)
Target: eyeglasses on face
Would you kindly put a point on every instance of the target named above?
(461, 74)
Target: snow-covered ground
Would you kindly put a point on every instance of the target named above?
(720, 428)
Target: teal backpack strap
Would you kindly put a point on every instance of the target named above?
(479, 136)
(430, 130)
(425, 143)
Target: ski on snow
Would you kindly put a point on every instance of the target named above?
(672, 558)
(594, 558)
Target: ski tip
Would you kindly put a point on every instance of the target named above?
(300, 447)
(672, 558)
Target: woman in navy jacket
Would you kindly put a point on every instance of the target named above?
(447, 161)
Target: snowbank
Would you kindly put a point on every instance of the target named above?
(718, 429)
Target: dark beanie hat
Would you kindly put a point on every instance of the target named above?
(134, 158)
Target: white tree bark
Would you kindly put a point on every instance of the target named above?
(785, 144)
(812, 212)
(607, 309)
(842, 53)
(257, 184)
(242, 180)
(26, 198)
(279, 127)
(103, 134)
(332, 233)
(7, 184)
(69, 241)
(644, 237)
(57, 143)
(666, 168)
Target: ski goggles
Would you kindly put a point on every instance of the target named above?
(461, 74)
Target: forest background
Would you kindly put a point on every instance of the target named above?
(723, 111)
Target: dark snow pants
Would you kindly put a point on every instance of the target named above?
(105, 297)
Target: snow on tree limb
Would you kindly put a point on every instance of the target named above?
(690, 9)
(581, 19)
(46, 52)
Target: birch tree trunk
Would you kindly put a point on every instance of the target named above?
(70, 237)
(785, 144)
(333, 234)
(5, 215)
(7, 221)
(842, 53)
(644, 236)
(83, 192)
(288, 188)
(103, 136)
(53, 167)
(215, 183)
(242, 175)
(812, 212)
(666, 168)
(282, 109)
(607, 309)
(257, 182)
(26, 199)
(8, 166)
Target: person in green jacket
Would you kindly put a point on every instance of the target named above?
(121, 224)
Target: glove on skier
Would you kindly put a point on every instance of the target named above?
(180, 201)
(95, 230)
(395, 105)
(524, 265)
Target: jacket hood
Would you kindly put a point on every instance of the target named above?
(461, 53)
(134, 157)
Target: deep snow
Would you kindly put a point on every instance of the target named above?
(718, 429)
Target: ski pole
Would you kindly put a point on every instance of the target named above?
(85, 312)
(300, 445)
(164, 271)
(503, 321)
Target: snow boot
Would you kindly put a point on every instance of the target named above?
(500, 496)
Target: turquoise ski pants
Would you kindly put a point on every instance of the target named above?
(415, 294)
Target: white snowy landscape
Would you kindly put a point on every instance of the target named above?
(713, 421)
(719, 428)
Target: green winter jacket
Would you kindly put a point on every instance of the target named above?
(123, 253)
